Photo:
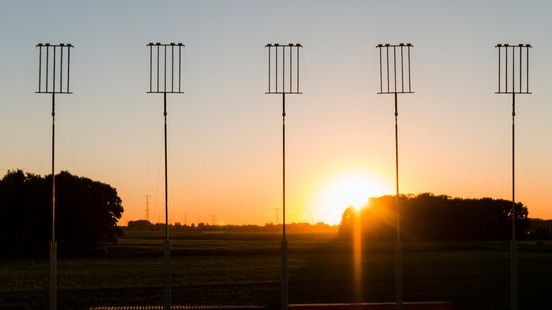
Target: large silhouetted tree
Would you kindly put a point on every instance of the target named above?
(87, 212)
(430, 217)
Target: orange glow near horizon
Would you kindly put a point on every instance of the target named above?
(357, 254)
(349, 189)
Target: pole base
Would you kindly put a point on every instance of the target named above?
(167, 256)
(284, 275)
(53, 275)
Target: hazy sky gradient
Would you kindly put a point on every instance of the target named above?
(225, 134)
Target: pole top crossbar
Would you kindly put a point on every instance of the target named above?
(283, 45)
(55, 45)
(395, 45)
(394, 68)
(513, 45)
(165, 44)
(165, 68)
(54, 64)
(283, 68)
(394, 92)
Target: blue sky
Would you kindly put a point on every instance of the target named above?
(224, 133)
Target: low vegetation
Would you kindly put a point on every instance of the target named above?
(227, 268)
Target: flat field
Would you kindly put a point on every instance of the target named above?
(221, 268)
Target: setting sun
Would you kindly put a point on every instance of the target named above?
(352, 189)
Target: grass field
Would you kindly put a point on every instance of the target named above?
(218, 268)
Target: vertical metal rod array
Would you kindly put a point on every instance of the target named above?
(68, 66)
(402, 70)
(269, 65)
(47, 65)
(167, 245)
(387, 58)
(40, 68)
(290, 68)
(527, 82)
(395, 69)
(283, 68)
(398, 250)
(172, 67)
(61, 70)
(506, 68)
(284, 267)
(513, 69)
(53, 247)
(54, 72)
(520, 68)
(165, 69)
(409, 85)
(513, 260)
(179, 65)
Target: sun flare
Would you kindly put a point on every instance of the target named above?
(353, 189)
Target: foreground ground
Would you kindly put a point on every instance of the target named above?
(217, 268)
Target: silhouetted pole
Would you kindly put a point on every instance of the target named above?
(52, 64)
(278, 62)
(513, 89)
(395, 89)
(166, 87)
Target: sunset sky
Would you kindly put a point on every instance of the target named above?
(225, 133)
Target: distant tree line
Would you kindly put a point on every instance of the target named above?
(540, 229)
(87, 213)
(144, 225)
(431, 217)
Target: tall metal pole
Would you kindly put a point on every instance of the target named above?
(513, 91)
(398, 250)
(276, 75)
(167, 245)
(47, 85)
(155, 79)
(53, 248)
(396, 91)
(514, 258)
(284, 240)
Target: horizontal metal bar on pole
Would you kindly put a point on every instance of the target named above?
(514, 45)
(441, 305)
(395, 45)
(510, 93)
(164, 92)
(283, 45)
(280, 93)
(392, 92)
(54, 92)
(55, 45)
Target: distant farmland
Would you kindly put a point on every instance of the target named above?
(223, 268)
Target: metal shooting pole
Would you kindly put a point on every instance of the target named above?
(279, 73)
(523, 64)
(402, 64)
(154, 53)
(47, 85)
